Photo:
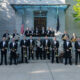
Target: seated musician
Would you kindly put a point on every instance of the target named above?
(24, 45)
(3, 47)
(64, 36)
(48, 32)
(43, 31)
(15, 35)
(27, 32)
(67, 46)
(36, 32)
(6, 35)
(74, 38)
(55, 46)
(13, 48)
(46, 46)
(31, 47)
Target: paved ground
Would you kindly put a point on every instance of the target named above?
(40, 70)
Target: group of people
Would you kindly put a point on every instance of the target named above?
(45, 48)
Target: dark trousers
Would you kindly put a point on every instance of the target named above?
(4, 55)
(23, 58)
(52, 57)
(39, 53)
(13, 57)
(31, 54)
(68, 57)
(77, 56)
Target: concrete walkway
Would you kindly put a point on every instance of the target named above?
(40, 70)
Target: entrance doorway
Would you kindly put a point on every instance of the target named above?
(40, 20)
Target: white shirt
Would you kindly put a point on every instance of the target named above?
(67, 43)
(13, 43)
(24, 41)
(46, 42)
(79, 43)
(31, 41)
(3, 43)
(54, 42)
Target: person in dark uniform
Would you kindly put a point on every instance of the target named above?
(48, 32)
(55, 46)
(13, 48)
(36, 32)
(15, 35)
(52, 32)
(6, 35)
(39, 49)
(27, 32)
(24, 45)
(31, 47)
(77, 51)
(3, 47)
(67, 46)
(46, 45)
(43, 31)
(64, 36)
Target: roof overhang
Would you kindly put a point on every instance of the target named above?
(23, 6)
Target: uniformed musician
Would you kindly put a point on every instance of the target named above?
(13, 50)
(24, 45)
(67, 46)
(55, 46)
(3, 47)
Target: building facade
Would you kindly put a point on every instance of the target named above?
(44, 12)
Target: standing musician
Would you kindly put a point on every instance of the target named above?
(31, 47)
(67, 46)
(3, 47)
(27, 32)
(55, 46)
(6, 35)
(65, 35)
(46, 45)
(24, 45)
(13, 49)
(77, 51)
(39, 49)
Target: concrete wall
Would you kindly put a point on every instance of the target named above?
(71, 25)
(7, 18)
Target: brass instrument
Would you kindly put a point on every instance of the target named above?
(3, 49)
(25, 51)
(47, 49)
(13, 50)
(73, 40)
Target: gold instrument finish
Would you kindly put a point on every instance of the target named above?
(25, 51)
(55, 51)
(47, 49)
(13, 49)
(73, 40)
